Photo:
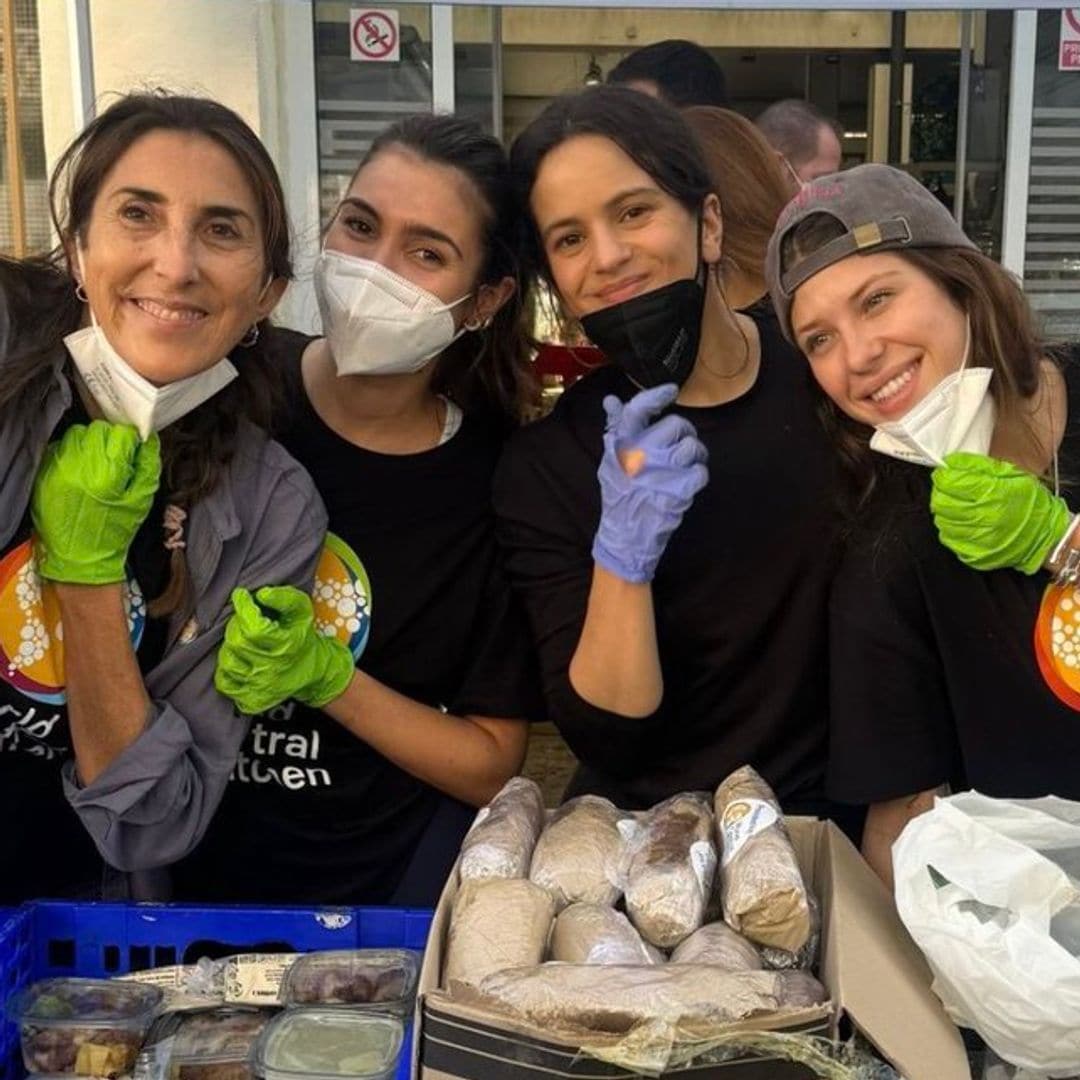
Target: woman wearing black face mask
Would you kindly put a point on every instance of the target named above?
(675, 559)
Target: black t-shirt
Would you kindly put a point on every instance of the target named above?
(312, 813)
(740, 593)
(934, 672)
(44, 849)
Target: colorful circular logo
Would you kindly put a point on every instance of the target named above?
(1057, 642)
(31, 634)
(342, 595)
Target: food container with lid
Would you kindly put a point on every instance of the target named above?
(203, 1044)
(329, 1044)
(383, 979)
(83, 1027)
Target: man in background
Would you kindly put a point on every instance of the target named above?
(804, 137)
(678, 72)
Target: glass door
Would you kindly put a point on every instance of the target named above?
(361, 88)
(1052, 241)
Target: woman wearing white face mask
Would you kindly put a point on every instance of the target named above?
(135, 491)
(395, 703)
(956, 425)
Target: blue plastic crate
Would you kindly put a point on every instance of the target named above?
(15, 972)
(47, 938)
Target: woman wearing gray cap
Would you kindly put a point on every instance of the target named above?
(953, 421)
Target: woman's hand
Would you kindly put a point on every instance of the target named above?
(273, 651)
(885, 821)
(649, 475)
(92, 492)
(991, 514)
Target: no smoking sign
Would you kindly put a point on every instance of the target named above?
(374, 35)
(1069, 50)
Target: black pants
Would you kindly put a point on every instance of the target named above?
(430, 864)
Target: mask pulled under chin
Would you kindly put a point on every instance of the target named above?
(377, 322)
(125, 397)
(958, 414)
(652, 337)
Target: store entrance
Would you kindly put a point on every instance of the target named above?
(925, 90)
(946, 116)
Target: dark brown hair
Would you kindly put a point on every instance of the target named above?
(487, 372)
(40, 293)
(750, 182)
(1004, 337)
(684, 72)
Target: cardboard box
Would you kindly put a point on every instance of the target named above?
(874, 973)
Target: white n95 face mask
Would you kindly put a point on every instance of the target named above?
(124, 396)
(376, 322)
(958, 414)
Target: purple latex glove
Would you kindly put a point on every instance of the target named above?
(649, 475)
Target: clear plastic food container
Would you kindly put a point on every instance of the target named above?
(329, 1044)
(383, 979)
(204, 1044)
(83, 1027)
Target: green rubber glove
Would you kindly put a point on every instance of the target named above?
(92, 492)
(268, 658)
(992, 514)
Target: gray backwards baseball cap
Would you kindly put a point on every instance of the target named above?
(879, 208)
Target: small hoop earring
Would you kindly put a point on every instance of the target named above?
(80, 293)
(474, 324)
(250, 337)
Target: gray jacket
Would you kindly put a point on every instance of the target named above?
(263, 524)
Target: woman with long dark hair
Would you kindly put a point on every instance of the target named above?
(397, 699)
(669, 524)
(954, 658)
(136, 489)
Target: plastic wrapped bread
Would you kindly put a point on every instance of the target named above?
(576, 998)
(762, 889)
(806, 958)
(581, 855)
(720, 946)
(501, 841)
(671, 869)
(496, 924)
(594, 934)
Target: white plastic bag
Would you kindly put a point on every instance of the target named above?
(982, 886)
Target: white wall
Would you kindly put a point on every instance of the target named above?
(256, 56)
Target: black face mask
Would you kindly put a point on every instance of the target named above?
(653, 337)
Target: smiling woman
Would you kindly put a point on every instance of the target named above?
(171, 259)
(137, 492)
(857, 311)
(928, 358)
(669, 524)
(407, 684)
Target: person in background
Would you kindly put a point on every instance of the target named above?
(753, 187)
(395, 704)
(953, 651)
(807, 140)
(135, 490)
(669, 524)
(679, 72)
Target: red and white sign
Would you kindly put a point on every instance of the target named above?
(1069, 49)
(374, 35)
